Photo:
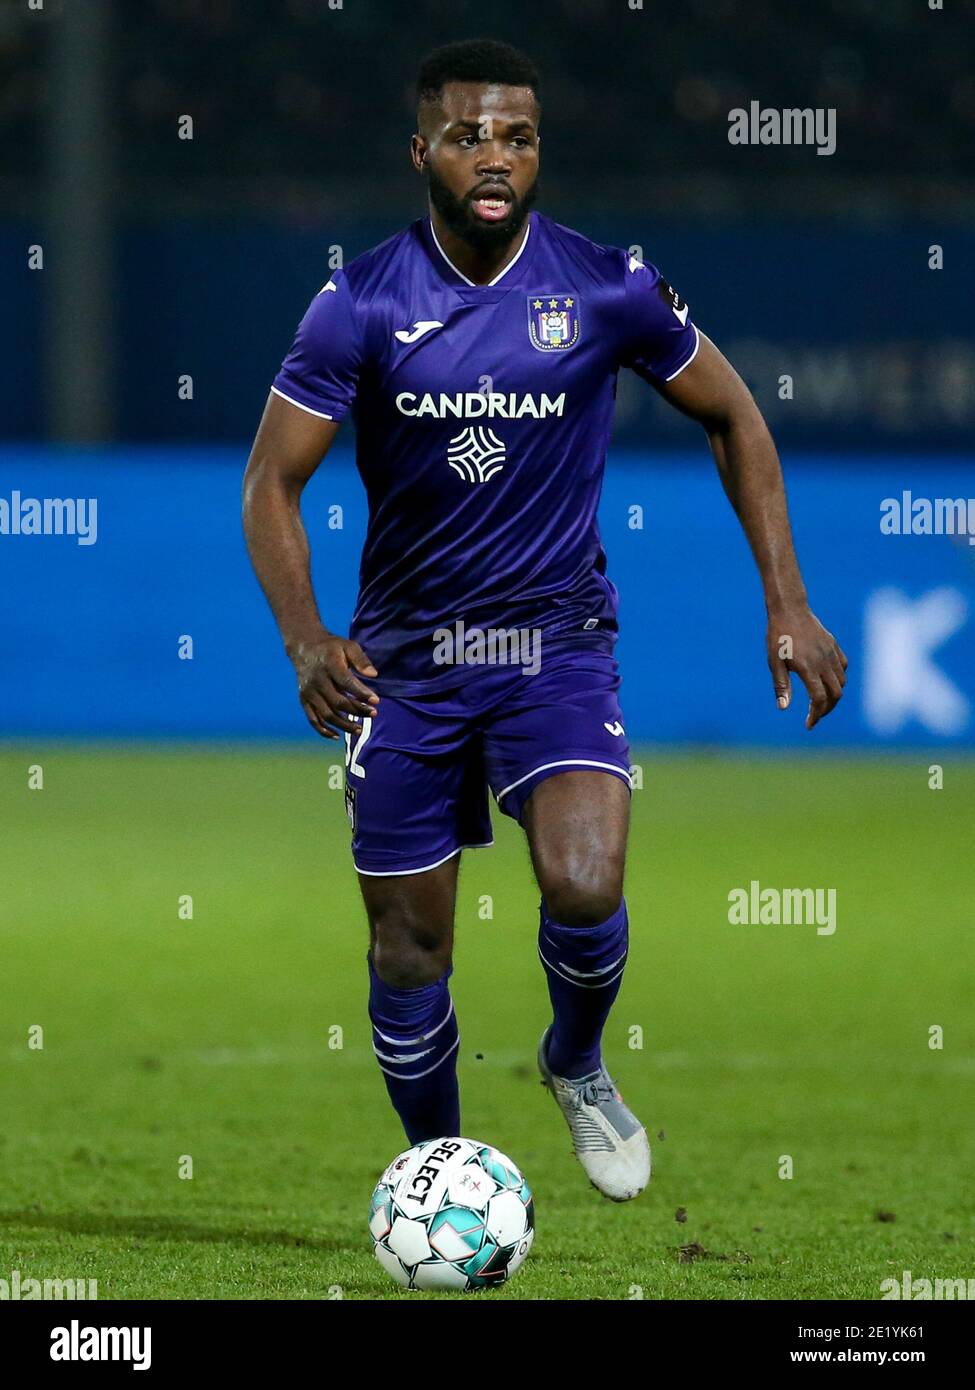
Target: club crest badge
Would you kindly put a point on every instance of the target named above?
(553, 321)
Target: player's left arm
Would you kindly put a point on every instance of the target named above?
(711, 392)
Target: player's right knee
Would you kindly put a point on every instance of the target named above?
(408, 959)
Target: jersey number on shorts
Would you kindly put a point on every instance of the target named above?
(352, 759)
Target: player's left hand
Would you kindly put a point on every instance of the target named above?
(797, 641)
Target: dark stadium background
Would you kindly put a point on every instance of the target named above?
(133, 780)
(166, 257)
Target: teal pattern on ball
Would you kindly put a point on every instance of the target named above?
(501, 1174)
(468, 1225)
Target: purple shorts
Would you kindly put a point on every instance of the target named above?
(418, 776)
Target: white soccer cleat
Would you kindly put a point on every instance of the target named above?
(610, 1142)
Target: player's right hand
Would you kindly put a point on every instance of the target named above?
(329, 688)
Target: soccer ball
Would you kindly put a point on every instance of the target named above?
(451, 1214)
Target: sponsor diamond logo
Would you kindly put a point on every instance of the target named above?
(476, 454)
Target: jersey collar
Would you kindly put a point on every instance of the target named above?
(501, 274)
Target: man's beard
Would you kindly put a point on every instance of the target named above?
(461, 218)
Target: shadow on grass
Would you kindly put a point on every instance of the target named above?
(161, 1228)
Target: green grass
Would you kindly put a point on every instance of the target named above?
(210, 1038)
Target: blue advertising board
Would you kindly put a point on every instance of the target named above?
(95, 623)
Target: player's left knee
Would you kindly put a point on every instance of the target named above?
(576, 902)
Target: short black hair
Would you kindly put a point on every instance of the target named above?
(474, 60)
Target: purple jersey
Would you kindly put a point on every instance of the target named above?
(483, 415)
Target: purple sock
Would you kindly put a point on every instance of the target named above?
(584, 966)
(415, 1039)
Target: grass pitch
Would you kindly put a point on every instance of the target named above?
(216, 1038)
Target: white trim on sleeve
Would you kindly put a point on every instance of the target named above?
(697, 344)
(320, 413)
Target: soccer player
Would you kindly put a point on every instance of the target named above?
(477, 351)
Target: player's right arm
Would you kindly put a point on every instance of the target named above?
(312, 393)
(290, 444)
